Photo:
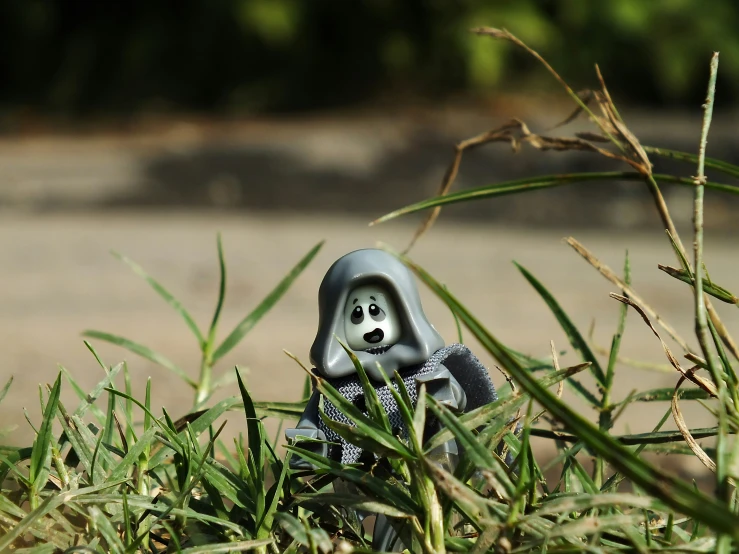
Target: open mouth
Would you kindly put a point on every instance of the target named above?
(374, 336)
(379, 349)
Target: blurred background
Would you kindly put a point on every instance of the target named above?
(146, 127)
(284, 105)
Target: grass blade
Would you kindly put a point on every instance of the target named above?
(467, 501)
(371, 440)
(221, 291)
(230, 485)
(239, 546)
(106, 530)
(165, 294)
(474, 450)
(364, 430)
(280, 410)
(713, 163)
(6, 388)
(90, 399)
(49, 504)
(250, 320)
(146, 440)
(676, 493)
(375, 409)
(293, 527)
(256, 440)
(143, 351)
(708, 287)
(264, 527)
(576, 339)
(500, 410)
(41, 452)
(605, 419)
(380, 488)
(356, 501)
(665, 395)
(537, 183)
(200, 422)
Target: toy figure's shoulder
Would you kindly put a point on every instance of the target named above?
(471, 374)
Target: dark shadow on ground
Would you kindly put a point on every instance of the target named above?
(285, 177)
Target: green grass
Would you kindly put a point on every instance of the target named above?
(116, 474)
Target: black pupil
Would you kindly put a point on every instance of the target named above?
(357, 313)
(373, 309)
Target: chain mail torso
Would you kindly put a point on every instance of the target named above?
(350, 388)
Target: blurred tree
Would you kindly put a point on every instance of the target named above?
(70, 56)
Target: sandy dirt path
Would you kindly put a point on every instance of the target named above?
(59, 279)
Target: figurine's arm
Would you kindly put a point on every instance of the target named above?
(442, 385)
(310, 417)
(308, 428)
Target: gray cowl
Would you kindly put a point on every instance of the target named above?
(418, 341)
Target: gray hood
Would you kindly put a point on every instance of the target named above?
(418, 341)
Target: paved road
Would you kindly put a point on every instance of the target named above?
(58, 279)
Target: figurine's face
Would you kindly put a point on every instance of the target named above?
(371, 322)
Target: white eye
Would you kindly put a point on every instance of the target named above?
(357, 315)
(381, 328)
(376, 312)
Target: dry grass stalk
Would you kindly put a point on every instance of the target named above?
(555, 363)
(685, 431)
(612, 129)
(515, 132)
(609, 274)
(687, 374)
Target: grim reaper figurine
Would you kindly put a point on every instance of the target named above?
(369, 300)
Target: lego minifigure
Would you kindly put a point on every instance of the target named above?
(369, 301)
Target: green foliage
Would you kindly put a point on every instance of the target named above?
(210, 349)
(255, 55)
